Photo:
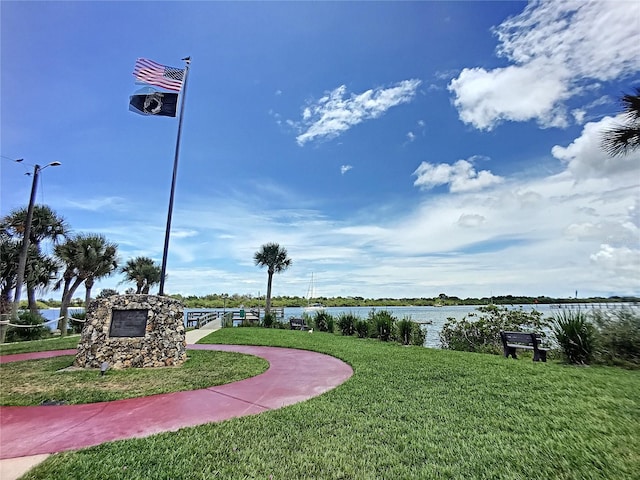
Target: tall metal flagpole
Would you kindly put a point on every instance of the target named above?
(173, 180)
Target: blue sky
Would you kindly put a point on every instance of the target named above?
(395, 149)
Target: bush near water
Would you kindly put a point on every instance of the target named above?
(480, 332)
(579, 337)
(379, 324)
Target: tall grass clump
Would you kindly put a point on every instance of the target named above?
(410, 332)
(324, 322)
(480, 332)
(619, 336)
(576, 336)
(404, 331)
(347, 323)
(362, 328)
(382, 325)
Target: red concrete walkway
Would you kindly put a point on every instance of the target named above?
(293, 376)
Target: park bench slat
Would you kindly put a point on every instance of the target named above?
(511, 341)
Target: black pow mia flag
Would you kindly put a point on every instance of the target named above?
(149, 101)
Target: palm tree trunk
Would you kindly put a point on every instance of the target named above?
(88, 284)
(66, 301)
(267, 308)
(5, 308)
(62, 320)
(5, 303)
(31, 298)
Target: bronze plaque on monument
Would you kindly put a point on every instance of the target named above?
(128, 323)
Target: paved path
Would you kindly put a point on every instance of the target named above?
(193, 336)
(293, 376)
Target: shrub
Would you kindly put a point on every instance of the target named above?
(106, 292)
(267, 321)
(281, 325)
(324, 321)
(362, 328)
(576, 336)
(418, 335)
(331, 324)
(480, 332)
(20, 334)
(619, 336)
(410, 332)
(347, 323)
(405, 330)
(77, 321)
(383, 324)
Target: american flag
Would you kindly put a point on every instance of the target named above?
(152, 73)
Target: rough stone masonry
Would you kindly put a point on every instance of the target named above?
(133, 331)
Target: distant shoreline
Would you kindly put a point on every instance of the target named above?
(216, 301)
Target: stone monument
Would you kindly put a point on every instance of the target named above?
(133, 331)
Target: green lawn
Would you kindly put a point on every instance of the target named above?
(408, 412)
(35, 381)
(56, 343)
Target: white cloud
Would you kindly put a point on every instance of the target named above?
(619, 261)
(411, 136)
(345, 168)
(99, 204)
(461, 176)
(586, 159)
(578, 114)
(184, 233)
(555, 49)
(518, 93)
(470, 220)
(334, 114)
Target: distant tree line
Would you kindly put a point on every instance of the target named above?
(220, 300)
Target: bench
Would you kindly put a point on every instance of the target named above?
(298, 324)
(526, 341)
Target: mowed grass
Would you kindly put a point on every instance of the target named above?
(57, 343)
(35, 381)
(406, 413)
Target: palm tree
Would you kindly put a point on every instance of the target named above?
(9, 252)
(86, 257)
(46, 224)
(274, 257)
(40, 272)
(625, 138)
(144, 272)
(101, 262)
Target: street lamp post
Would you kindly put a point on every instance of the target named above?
(22, 259)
